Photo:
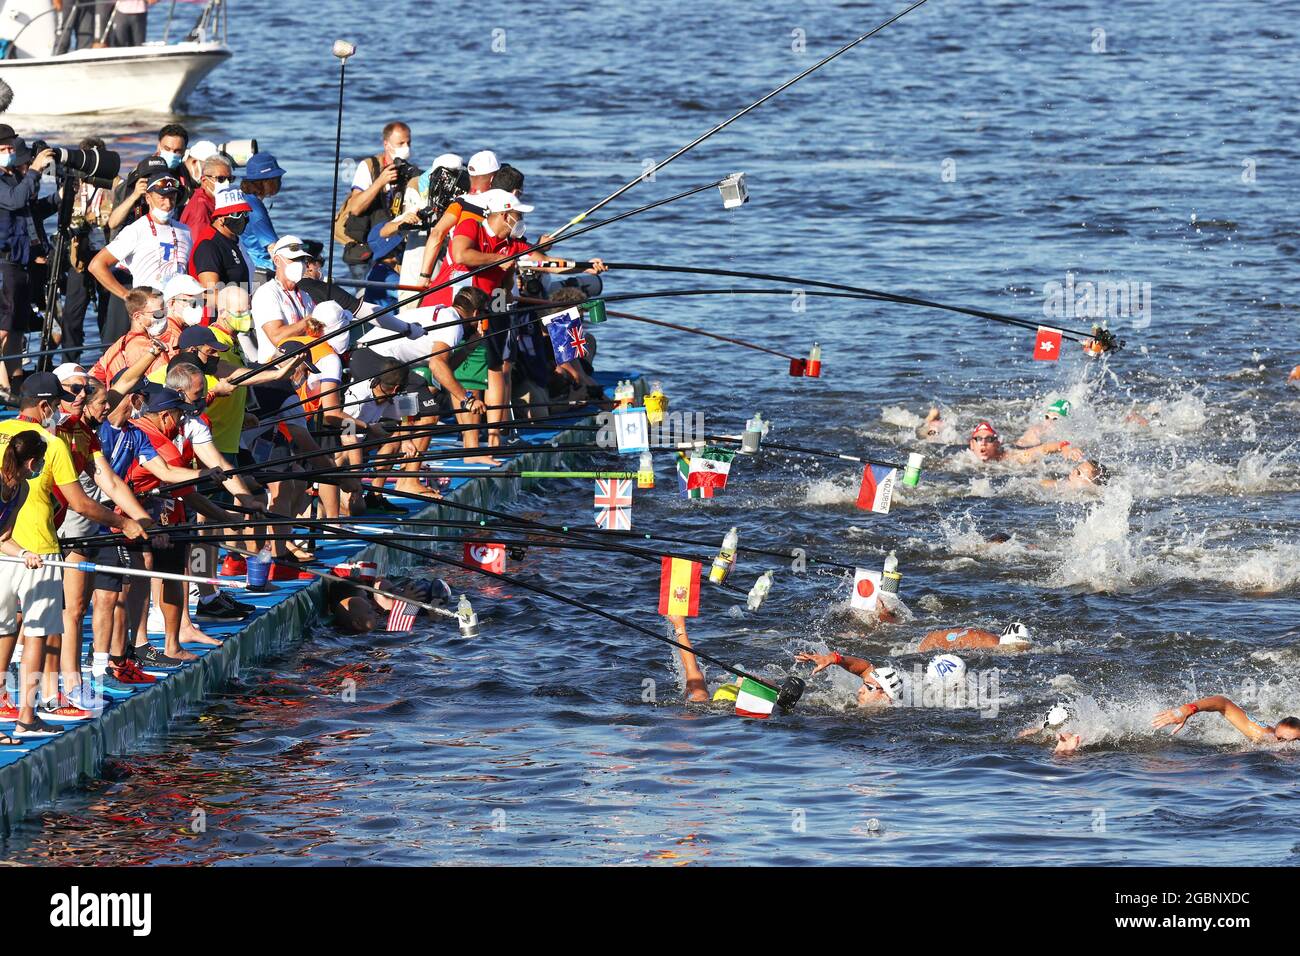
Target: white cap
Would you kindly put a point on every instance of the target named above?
(331, 316)
(1057, 716)
(68, 370)
(482, 163)
(1015, 633)
(202, 149)
(181, 284)
(890, 681)
(290, 247)
(448, 161)
(499, 200)
(946, 669)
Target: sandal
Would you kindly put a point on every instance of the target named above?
(8, 741)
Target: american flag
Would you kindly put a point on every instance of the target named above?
(402, 616)
(614, 504)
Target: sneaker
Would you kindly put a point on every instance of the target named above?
(216, 610)
(7, 709)
(86, 697)
(149, 656)
(128, 673)
(377, 502)
(225, 598)
(37, 728)
(62, 711)
(234, 566)
(108, 685)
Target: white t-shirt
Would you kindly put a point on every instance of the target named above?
(196, 430)
(410, 350)
(152, 252)
(359, 402)
(273, 303)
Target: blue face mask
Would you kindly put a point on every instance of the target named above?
(173, 159)
(7, 159)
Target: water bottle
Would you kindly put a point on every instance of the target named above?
(814, 369)
(645, 473)
(726, 558)
(890, 577)
(758, 593)
(656, 403)
(624, 394)
(912, 473)
(754, 430)
(468, 620)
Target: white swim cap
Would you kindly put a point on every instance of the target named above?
(1015, 633)
(946, 669)
(890, 681)
(1057, 716)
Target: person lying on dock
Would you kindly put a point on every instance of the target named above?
(881, 686)
(1286, 729)
(1014, 637)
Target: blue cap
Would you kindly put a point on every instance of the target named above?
(165, 399)
(197, 336)
(262, 166)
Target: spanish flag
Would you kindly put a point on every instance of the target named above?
(679, 587)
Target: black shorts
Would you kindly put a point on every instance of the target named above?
(15, 298)
(171, 559)
(114, 556)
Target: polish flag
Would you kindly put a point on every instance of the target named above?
(1047, 347)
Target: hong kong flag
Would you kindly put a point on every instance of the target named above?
(1047, 347)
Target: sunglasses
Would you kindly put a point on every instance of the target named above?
(74, 389)
(984, 438)
(223, 180)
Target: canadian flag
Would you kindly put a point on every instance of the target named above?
(1047, 347)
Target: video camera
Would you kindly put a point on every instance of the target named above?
(445, 186)
(96, 166)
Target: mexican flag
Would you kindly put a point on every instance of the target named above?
(683, 480)
(679, 587)
(755, 700)
(709, 469)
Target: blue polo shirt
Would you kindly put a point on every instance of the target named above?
(258, 234)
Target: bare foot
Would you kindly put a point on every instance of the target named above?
(192, 635)
(412, 486)
(209, 641)
(179, 653)
(483, 460)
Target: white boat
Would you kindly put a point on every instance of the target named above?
(155, 77)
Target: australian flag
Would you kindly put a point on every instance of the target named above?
(567, 338)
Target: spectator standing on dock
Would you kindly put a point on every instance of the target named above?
(219, 260)
(262, 179)
(20, 183)
(197, 214)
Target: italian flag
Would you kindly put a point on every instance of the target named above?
(709, 469)
(755, 700)
(679, 587)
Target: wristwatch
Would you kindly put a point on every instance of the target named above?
(465, 402)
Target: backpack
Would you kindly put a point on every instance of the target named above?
(351, 231)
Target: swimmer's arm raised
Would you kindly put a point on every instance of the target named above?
(1178, 716)
(854, 665)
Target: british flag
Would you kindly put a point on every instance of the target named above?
(614, 504)
(402, 616)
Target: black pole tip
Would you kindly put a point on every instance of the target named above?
(791, 690)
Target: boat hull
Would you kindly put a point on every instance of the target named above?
(150, 79)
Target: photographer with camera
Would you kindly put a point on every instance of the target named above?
(21, 215)
(91, 207)
(378, 190)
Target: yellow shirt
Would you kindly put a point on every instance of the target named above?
(34, 525)
(227, 412)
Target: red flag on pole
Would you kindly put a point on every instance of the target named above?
(1047, 347)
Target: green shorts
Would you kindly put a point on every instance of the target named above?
(472, 373)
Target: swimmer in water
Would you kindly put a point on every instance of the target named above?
(881, 686)
(696, 689)
(1014, 637)
(985, 445)
(1053, 728)
(1295, 375)
(358, 612)
(1085, 476)
(1286, 729)
(932, 428)
(1036, 433)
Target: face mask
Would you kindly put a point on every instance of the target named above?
(171, 430)
(192, 314)
(7, 159)
(240, 323)
(401, 152)
(160, 215)
(237, 226)
(49, 424)
(173, 159)
(135, 413)
(517, 230)
(294, 270)
(158, 326)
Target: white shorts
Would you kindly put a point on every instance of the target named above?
(38, 594)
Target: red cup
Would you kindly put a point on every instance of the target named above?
(798, 367)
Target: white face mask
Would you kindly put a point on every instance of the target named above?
(401, 152)
(49, 424)
(294, 270)
(192, 315)
(158, 326)
(517, 230)
(160, 215)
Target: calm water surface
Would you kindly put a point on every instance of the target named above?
(532, 743)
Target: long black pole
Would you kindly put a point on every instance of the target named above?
(342, 50)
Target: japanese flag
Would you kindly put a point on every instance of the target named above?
(866, 589)
(1047, 347)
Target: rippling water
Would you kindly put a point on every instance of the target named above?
(532, 742)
